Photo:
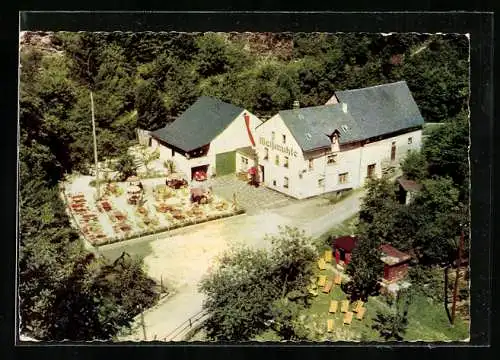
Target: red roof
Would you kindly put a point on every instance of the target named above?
(347, 243)
(392, 256)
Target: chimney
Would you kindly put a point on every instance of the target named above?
(344, 107)
(296, 105)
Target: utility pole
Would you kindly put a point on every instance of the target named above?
(143, 325)
(455, 289)
(95, 148)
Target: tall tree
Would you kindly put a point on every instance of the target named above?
(151, 110)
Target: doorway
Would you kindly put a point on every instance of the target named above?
(371, 171)
(202, 169)
(393, 151)
(261, 171)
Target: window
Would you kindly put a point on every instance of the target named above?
(321, 182)
(371, 170)
(285, 182)
(331, 159)
(266, 153)
(285, 163)
(277, 160)
(173, 152)
(311, 164)
(274, 182)
(284, 139)
(244, 160)
(273, 136)
(343, 178)
(393, 151)
(410, 140)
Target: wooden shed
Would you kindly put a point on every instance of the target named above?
(407, 190)
(395, 263)
(343, 247)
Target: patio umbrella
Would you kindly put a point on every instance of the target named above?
(134, 189)
(133, 180)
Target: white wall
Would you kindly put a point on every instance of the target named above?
(233, 137)
(279, 172)
(379, 152)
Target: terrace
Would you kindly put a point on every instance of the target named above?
(114, 218)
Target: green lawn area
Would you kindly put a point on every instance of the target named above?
(427, 320)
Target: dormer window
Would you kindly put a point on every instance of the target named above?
(335, 141)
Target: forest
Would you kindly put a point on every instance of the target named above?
(145, 80)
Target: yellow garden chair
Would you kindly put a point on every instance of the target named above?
(348, 318)
(361, 313)
(344, 306)
(330, 325)
(334, 304)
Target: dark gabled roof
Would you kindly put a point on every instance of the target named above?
(382, 109)
(312, 126)
(199, 124)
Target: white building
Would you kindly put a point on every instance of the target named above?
(206, 137)
(360, 133)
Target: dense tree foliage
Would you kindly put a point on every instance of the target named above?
(392, 323)
(254, 289)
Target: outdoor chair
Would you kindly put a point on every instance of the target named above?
(344, 306)
(361, 313)
(321, 264)
(328, 287)
(348, 318)
(358, 306)
(330, 325)
(338, 279)
(322, 280)
(328, 256)
(333, 306)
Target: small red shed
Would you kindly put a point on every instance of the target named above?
(395, 263)
(343, 247)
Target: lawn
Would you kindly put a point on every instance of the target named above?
(428, 320)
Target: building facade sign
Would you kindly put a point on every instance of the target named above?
(284, 149)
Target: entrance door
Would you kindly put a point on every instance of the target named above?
(261, 171)
(203, 169)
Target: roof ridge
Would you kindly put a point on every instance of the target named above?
(374, 86)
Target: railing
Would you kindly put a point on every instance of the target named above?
(187, 325)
